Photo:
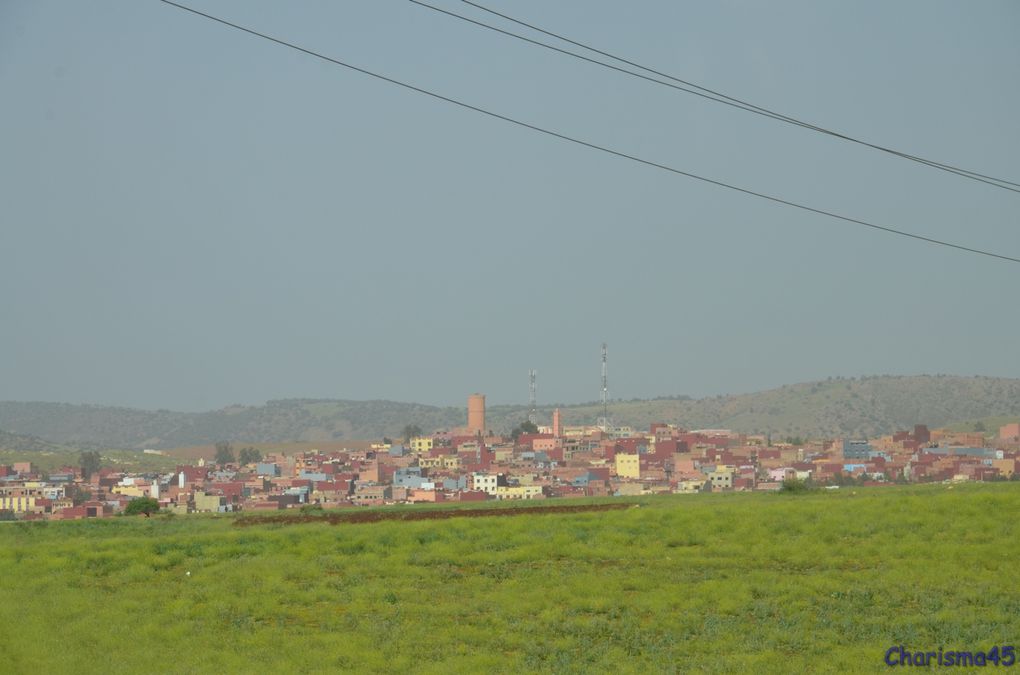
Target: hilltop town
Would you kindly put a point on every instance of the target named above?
(553, 461)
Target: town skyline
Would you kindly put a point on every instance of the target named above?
(471, 463)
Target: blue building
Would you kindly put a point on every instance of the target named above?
(857, 449)
(409, 477)
(268, 469)
(455, 483)
(984, 453)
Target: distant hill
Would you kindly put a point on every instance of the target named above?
(835, 407)
(23, 443)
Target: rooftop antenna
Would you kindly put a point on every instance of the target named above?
(604, 420)
(532, 399)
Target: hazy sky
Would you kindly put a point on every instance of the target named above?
(192, 217)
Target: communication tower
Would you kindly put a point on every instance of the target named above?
(603, 422)
(532, 397)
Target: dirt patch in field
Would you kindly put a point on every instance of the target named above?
(208, 452)
(337, 518)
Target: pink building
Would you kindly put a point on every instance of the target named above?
(544, 444)
(418, 495)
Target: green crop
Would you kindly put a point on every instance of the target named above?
(800, 582)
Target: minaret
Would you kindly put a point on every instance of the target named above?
(476, 414)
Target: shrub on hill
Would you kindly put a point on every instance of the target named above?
(795, 485)
(142, 505)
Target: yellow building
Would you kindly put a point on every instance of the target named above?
(421, 444)
(17, 504)
(689, 487)
(430, 462)
(630, 489)
(721, 478)
(132, 490)
(502, 454)
(1005, 466)
(519, 492)
(628, 466)
(206, 502)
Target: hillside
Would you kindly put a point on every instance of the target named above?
(867, 406)
(833, 408)
(22, 443)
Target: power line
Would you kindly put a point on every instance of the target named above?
(712, 94)
(707, 93)
(595, 61)
(588, 144)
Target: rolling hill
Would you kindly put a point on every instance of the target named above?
(835, 407)
(23, 443)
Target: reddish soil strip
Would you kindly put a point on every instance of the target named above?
(338, 517)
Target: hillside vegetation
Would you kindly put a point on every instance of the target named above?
(819, 582)
(122, 460)
(833, 408)
(24, 443)
(49, 457)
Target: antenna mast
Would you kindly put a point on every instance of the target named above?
(532, 398)
(604, 420)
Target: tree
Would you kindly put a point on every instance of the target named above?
(410, 431)
(146, 505)
(224, 453)
(249, 455)
(91, 461)
(525, 427)
(77, 494)
(794, 485)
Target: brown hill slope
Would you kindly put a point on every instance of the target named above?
(832, 408)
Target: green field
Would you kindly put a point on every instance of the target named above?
(824, 581)
(50, 461)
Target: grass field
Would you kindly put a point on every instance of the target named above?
(192, 453)
(818, 582)
(123, 460)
